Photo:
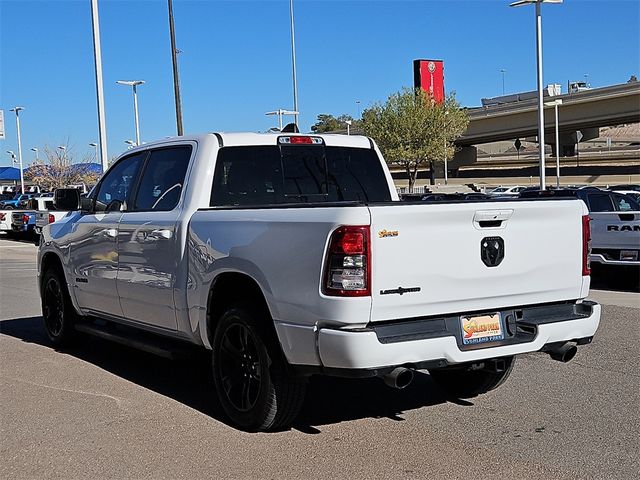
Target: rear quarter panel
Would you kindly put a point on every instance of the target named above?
(282, 249)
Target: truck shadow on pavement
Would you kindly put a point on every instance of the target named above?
(189, 381)
(621, 279)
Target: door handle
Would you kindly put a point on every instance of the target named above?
(109, 232)
(160, 234)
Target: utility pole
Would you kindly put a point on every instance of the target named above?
(293, 64)
(97, 58)
(176, 79)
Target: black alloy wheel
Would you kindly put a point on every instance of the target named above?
(250, 372)
(57, 312)
(239, 367)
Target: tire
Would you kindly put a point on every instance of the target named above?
(58, 313)
(467, 381)
(250, 373)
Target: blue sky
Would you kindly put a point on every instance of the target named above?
(235, 63)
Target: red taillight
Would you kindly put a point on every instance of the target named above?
(306, 140)
(25, 218)
(348, 266)
(51, 218)
(300, 140)
(586, 245)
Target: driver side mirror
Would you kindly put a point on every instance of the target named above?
(66, 199)
(86, 204)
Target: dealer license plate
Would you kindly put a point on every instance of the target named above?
(481, 328)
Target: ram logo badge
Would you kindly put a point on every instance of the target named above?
(492, 251)
(387, 233)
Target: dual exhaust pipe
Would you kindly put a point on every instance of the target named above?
(401, 377)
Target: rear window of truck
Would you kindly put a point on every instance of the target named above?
(272, 175)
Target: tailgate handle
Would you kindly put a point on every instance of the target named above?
(491, 218)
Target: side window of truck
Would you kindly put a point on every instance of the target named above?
(247, 176)
(600, 202)
(163, 179)
(624, 203)
(115, 187)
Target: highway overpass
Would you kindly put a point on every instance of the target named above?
(582, 111)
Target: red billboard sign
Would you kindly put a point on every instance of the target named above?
(429, 75)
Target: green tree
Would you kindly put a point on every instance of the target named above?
(413, 131)
(329, 123)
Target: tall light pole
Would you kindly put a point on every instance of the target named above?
(556, 103)
(13, 157)
(95, 145)
(34, 149)
(293, 64)
(541, 143)
(503, 71)
(358, 106)
(446, 162)
(134, 84)
(17, 112)
(97, 58)
(176, 78)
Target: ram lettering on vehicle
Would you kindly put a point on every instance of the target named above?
(623, 228)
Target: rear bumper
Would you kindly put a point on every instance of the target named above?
(603, 260)
(343, 349)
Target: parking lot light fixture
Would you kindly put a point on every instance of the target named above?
(34, 149)
(134, 84)
(541, 143)
(94, 145)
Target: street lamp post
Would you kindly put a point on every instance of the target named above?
(446, 161)
(293, 63)
(134, 84)
(556, 103)
(358, 106)
(17, 112)
(541, 143)
(503, 71)
(97, 59)
(34, 149)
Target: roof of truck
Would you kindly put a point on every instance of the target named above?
(232, 139)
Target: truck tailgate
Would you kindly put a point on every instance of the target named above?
(427, 258)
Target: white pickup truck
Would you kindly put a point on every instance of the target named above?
(289, 255)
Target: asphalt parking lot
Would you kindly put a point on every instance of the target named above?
(105, 411)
